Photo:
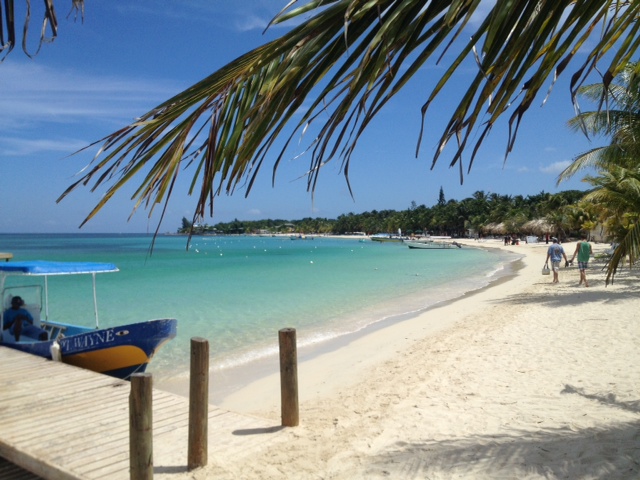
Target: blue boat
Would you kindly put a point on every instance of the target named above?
(118, 351)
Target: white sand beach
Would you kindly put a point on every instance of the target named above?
(521, 380)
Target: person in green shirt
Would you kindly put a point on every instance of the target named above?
(583, 251)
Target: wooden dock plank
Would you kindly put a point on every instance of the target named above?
(61, 418)
(61, 422)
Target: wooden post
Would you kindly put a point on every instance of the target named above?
(289, 377)
(198, 404)
(141, 427)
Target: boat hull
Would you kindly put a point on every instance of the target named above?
(432, 245)
(386, 238)
(118, 351)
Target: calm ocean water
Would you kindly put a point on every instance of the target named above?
(237, 292)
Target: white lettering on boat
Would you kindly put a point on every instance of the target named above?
(93, 339)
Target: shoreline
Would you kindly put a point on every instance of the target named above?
(524, 379)
(228, 383)
(320, 367)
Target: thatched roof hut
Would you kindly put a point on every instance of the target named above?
(495, 228)
(538, 226)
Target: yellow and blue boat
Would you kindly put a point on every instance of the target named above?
(117, 351)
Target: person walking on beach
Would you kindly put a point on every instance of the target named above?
(583, 251)
(555, 252)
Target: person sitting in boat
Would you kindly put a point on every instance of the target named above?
(20, 322)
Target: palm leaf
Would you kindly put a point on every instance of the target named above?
(629, 247)
(48, 30)
(346, 62)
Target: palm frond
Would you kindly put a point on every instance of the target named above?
(629, 248)
(346, 62)
(601, 158)
(48, 31)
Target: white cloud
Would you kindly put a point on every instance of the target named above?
(34, 94)
(251, 22)
(232, 15)
(16, 147)
(555, 167)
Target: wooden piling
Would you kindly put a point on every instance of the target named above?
(289, 377)
(198, 404)
(141, 427)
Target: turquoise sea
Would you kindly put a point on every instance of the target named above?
(238, 291)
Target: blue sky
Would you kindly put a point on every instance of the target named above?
(127, 57)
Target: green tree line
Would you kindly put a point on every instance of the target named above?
(482, 213)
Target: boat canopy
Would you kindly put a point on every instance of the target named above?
(42, 267)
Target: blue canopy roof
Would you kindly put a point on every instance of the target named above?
(42, 267)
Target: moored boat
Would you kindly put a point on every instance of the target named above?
(433, 245)
(117, 351)
(386, 237)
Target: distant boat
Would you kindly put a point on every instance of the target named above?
(430, 238)
(432, 245)
(386, 237)
(118, 351)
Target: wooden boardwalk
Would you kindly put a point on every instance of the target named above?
(63, 422)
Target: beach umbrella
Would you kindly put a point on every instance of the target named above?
(500, 228)
(540, 226)
(529, 227)
(489, 228)
(546, 227)
(486, 228)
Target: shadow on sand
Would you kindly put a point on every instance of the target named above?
(594, 453)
